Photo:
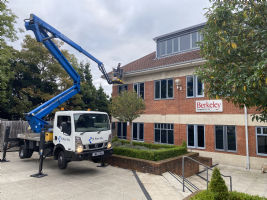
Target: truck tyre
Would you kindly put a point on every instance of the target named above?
(62, 162)
(23, 153)
(30, 152)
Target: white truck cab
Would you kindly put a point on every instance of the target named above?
(81, 135)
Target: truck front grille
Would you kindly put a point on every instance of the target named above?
(93, 146)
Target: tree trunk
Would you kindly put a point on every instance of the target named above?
(131, 134)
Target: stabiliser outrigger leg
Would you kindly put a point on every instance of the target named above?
(42, 147)
(6, 145)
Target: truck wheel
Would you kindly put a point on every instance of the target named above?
(23, 153)
(62, 163)
(30, 152)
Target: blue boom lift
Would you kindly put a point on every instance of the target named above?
(41, 30)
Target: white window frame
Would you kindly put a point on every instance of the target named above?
(196, 136)
(195, 87)
(261, 134)
(171, 125)
(138, 88)
(166, 89)
(138, 131)
(225, 143)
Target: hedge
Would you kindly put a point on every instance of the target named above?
(208, 195)
(169, 151)
(148, 145)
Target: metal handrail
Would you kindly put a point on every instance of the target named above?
(207, 168)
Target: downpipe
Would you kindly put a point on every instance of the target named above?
(246, 129)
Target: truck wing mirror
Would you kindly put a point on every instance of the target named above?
(63, 127)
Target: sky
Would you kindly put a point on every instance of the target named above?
(113, 31)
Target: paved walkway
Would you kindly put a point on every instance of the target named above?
(85, 180)
(81, 180)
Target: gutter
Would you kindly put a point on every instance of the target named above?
(179, 65)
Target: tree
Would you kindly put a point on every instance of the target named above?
(102, 100)
(217, 185)
(126, 107)
(7, 33)
(88, 90)
(234, 47)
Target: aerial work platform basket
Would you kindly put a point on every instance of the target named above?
(117, 75)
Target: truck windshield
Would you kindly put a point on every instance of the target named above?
(91, 122)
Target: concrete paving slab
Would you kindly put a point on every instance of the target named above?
(80, 180)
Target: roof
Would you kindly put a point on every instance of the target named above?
(150, 61)
(182, 31)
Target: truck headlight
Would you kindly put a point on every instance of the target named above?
(78, 144)
(109, 141)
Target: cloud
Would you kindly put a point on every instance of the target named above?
(112, 31)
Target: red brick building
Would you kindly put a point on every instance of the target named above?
(176, 109)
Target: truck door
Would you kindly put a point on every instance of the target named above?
(64, 138)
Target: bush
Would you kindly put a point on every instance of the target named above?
(184, 144)
(115, 139)
(240, 196)
(206, 194)
(147, 151)
(217, 185)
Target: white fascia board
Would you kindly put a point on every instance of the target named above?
(185, 64)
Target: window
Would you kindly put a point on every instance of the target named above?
(178, 44)
(175, 45)
(66, 119)
(122, 130)
(122, 88)
(194, 87)
(91, 122)
(185, 42)
(164, 89)
(140, 89)
(196, 136)
(138, 131)
(169, 46)
(194, 39)
(261, 139)
(164, 133)
(163, 48)
(225, 138)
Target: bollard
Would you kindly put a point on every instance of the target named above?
(5, 145)
(40, 174)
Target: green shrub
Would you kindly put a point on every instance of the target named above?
(169, 153)
(204, 195)
(148, 145)
(115, 139)
(217, 185)
(184, 144)
(147, 151)
(208, 195)
(134, 153)
(240, 196)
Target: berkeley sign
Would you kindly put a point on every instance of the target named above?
(209, 106)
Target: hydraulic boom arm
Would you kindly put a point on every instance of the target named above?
(41, 30)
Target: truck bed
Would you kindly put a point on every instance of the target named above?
(29, 136)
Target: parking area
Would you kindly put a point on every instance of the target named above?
(81, 180)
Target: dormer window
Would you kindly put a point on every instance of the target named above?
(179, 44)
(180, 41)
